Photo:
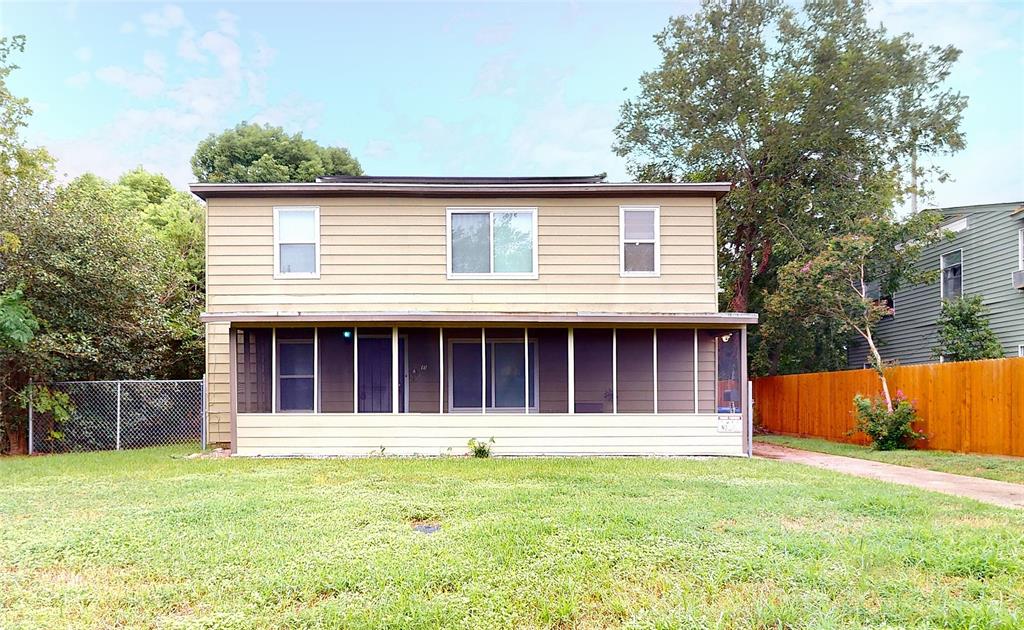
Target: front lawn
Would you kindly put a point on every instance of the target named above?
(147, 539)
(986, 466)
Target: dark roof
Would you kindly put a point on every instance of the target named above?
(417, 179)
(466, 187)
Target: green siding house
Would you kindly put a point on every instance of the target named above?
(982, 259)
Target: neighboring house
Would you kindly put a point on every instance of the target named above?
(982, 259)
(406, 315)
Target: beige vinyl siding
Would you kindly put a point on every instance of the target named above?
(514, 434)
(218, 384)
(390, 254)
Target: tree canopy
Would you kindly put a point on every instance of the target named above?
(817, 118)
(97, 279)
(253, 153)
(841, 283)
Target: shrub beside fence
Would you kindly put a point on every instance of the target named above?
(972, 406)
(114, 415)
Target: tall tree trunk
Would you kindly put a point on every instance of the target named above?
(913, 180)
(741, 286)
(879, 367)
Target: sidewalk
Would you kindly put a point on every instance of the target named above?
(996, 492)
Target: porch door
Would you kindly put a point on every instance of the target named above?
(375, 374)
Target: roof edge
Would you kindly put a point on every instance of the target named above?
(361, 189)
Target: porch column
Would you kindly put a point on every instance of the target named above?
(748, 413)
(526, 370)
(483, 369)
(273, 370)
(615, 371)
(394, 369)
(316, 369)
(440, 369)
(655, 373)
(572, 371)
(355, 369)
(696, 381)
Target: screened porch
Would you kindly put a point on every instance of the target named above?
(373, 370)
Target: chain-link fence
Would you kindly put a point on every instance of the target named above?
(114, 415)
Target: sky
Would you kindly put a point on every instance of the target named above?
(430, 89)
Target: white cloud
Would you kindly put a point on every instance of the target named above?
(496, 77)
(227, 22)
(294, 114)
(196, 100)
(84, 54)
(139, 84)
(154, 62)
(224, 49)
(163, 21)
(559, 138)
(188, 47)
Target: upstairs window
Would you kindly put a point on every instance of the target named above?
(492, 243)
(952, 275)
(297, 242)
(639, 242)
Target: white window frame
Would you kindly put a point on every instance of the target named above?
(657, 242)
(942, 267)
(1020, 249)
(1020, 350)
(490, 211)
(278, 274)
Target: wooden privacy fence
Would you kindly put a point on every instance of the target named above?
(973, 406)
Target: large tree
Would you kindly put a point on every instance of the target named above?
(254, 153)
(817, 117)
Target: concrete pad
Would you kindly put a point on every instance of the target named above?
(1000, 493)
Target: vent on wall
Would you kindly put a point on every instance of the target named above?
(1018, 279)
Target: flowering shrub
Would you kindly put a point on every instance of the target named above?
(888, 430)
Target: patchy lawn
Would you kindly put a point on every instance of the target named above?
(146, 539)
(986, 466)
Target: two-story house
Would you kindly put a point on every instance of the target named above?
(558, 315)
(985, 257)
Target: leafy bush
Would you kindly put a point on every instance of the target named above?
(964, 332)
(479, 448)
(888, 430)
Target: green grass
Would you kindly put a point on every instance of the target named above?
(986, 466)
(147, 539)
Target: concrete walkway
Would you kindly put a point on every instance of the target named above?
(986, 490)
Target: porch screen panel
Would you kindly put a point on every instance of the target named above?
(552, 369)
(419, 370)
(463, 371)
(730, 388)
(505, 373)
(336, 367)
(706, 367)
(253, 370)
(375, 371)
(593, 369)
(295, 372)
(634, 361)
(675, 370)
